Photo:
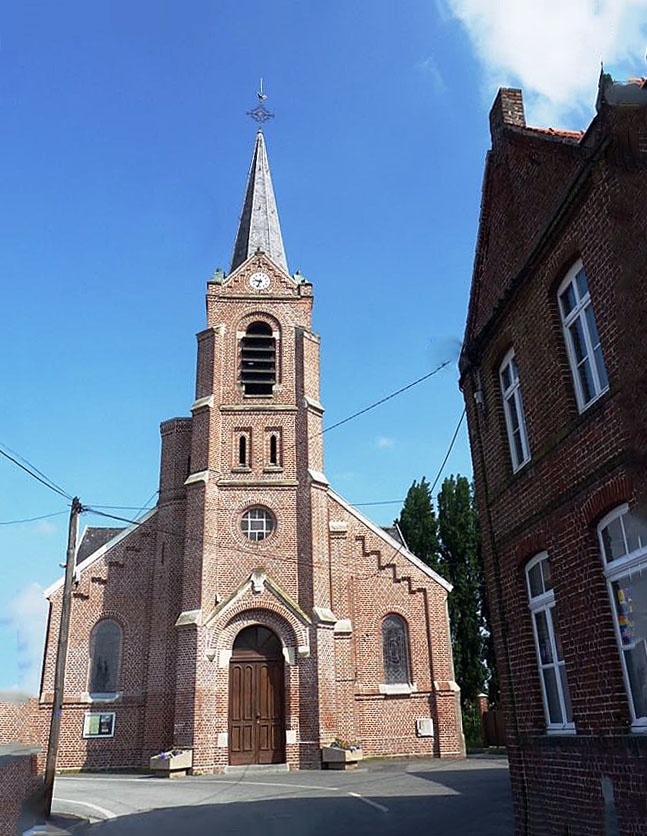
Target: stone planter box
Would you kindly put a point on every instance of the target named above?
(173, 766)
(333, 757)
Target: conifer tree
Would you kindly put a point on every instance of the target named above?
(460, 549)
(418, 524)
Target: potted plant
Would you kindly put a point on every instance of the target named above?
(172, 764)
(341, 754)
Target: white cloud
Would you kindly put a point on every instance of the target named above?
(552, 49)
(27, 615)
(432, 70)
(384, 442)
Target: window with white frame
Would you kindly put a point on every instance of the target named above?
(514, 416)
(257, 523)
(582, 339)
(623, 542)
(550, 658)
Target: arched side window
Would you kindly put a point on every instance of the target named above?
(273, 447)
(582, 339)
(515, 419)
(258, 360)
(395, 650)
(550, 658)
(623, 543)
(105, 657)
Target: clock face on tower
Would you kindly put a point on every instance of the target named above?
(259, 281)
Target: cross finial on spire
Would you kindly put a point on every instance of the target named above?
(260, 113)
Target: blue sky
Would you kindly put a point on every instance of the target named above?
(126, 148)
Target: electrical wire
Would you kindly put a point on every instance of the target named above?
(386, 398)
(322, 432)
(449, 450)
(145, 507)
(33, 471)
(33, 519)
(36, 470)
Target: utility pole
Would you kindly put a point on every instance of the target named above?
(61, 654)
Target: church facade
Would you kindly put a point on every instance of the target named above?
(253, 616)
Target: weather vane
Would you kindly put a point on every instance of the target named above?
(260, 113)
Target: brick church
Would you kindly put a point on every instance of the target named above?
(253, 616)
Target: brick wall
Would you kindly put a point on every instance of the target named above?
(19, 720)
(21, 790)
(549, 200)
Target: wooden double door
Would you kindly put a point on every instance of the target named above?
(256, 698)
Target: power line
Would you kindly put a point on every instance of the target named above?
(238, 547)
(386, 398)
(36, 470)
(382, 502)
(449, 450)
(33, 473)
(94, 508)
(145, 507)
(33, 519)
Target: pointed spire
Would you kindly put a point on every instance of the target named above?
(259, 221)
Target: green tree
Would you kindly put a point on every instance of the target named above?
(460, 549)
(418, 524)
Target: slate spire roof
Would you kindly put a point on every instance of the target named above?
(259, 221)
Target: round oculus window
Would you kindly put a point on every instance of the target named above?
(257, 524)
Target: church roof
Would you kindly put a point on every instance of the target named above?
(259, 221)
(93, 538)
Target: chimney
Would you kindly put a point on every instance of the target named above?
(506, 110)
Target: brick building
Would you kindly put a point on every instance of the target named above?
(253, 615)
(554, 374)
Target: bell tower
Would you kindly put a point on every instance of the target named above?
(255, 493)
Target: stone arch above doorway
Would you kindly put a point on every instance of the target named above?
(221, 642)
(258, 599)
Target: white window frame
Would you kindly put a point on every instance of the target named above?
(579, 313)
(614, 571)
(513, 402)
(545, 602)
(257, 514)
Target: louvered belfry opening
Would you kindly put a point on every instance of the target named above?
(258, 360)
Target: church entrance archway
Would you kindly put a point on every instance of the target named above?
(256, 698)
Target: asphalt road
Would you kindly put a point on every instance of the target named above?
(414, 797)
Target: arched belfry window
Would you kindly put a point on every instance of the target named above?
(258, 359)
(395, 649)
(105, 657)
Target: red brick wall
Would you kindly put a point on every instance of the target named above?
(19, 721)
(582, 465)
(20, 801)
